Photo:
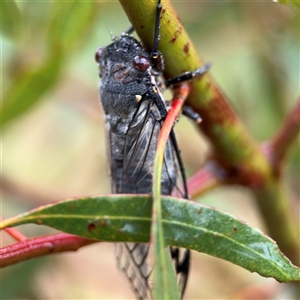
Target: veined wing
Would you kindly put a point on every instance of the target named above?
(140, 150)
(136, 177)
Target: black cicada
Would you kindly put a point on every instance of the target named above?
(135, 111)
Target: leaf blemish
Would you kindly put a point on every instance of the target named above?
(91, 226)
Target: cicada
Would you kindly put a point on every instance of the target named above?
(135, 109)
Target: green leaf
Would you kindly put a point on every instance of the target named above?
(164, 279)
(165, 283)
(70, 24)
(10, 18)
(68, 29)
(29, 87)
(186, 224)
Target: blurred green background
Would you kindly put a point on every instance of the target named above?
(53, 134)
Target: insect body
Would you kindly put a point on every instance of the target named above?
(129, 96)
(135, 110)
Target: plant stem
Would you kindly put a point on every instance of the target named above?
(277, 147)
(278, 213)
(242, 159)
(205, 179)
(41, 246)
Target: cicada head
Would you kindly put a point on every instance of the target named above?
(124, 60)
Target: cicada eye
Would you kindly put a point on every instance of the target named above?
(141, 63)
(98, 54)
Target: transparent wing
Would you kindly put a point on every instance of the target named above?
(136, 171)
(132, 260)
(139, 154)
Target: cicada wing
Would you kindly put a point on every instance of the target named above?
(137, 171)
(139, 154)
(132, 259)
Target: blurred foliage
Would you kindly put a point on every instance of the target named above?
(65, 29)
(53, 136)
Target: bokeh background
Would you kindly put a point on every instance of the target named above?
(53, 134)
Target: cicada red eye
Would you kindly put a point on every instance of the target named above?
(141, 63)
(98, 54)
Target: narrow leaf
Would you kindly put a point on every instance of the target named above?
(186, 224)
(70, 25)
(164, 279)
(68, 29)
(29, 87)
(10, 18)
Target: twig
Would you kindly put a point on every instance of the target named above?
(18, 236)
(277, 148)
(205, 179)
(41, 246)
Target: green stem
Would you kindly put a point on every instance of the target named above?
(276, 210)
(244, 161)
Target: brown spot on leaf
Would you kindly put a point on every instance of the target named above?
(91, 226)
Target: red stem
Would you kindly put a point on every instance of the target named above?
(205, 179)
(18, 236)
(15, 234)
(40, 246)
(276, 149)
